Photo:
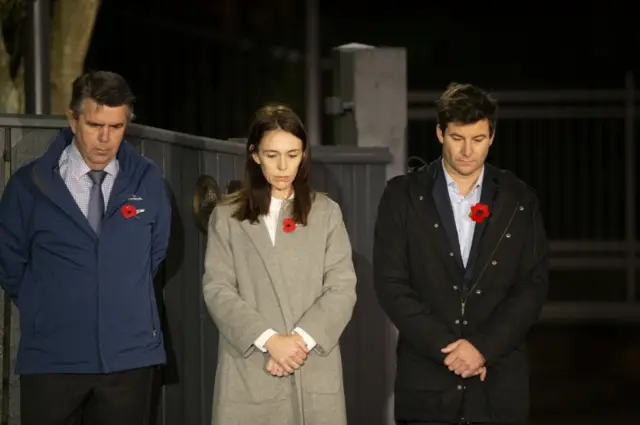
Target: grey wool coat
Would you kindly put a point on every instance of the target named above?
(305, 280)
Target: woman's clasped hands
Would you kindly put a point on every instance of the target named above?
(287, 353)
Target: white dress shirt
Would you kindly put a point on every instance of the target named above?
(74, 172)
(271, 221)
(461, 206)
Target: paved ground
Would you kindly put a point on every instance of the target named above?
(585, 422)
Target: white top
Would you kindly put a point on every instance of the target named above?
(271, 221)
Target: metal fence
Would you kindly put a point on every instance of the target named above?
(354, 177)
(578, 150)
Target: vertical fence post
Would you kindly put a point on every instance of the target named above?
(630, 187)
(313, 78)
(5, 405)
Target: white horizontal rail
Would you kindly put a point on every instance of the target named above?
(536, 96)
(540, 112)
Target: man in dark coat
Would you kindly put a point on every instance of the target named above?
(83, 230)
(461, 269)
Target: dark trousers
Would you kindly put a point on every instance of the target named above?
(119, 398)
(438, 423)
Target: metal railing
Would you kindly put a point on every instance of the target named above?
(577, 148)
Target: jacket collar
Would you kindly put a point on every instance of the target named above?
(46, 176)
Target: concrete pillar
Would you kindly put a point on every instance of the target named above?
(369, 100)
(369, 108)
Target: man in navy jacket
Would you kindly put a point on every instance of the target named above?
(83, 230)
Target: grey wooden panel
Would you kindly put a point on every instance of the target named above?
(173, 408)
(191, 291)
(154, 151)
(354, 177)
(5, 141)
(369, 318)
(27, 144)
(5, 134)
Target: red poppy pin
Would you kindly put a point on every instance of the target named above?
(479, 212)
(288, 225)
(128, 211)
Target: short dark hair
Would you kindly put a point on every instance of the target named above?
(254, 198)
(103, 87)
(466, 104)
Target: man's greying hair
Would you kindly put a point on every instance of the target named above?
(103, 87)
(466, 104)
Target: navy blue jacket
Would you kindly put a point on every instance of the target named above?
(87, 304)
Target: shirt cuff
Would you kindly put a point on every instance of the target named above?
(311, 343)
(263, 338)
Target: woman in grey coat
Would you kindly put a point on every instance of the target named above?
(279, 284)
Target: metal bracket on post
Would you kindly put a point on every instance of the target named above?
(336, 107)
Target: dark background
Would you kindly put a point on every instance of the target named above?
(203, 67)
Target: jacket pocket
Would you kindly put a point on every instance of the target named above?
(507, 387)
(247, 380)
(322, 375)
(419, 373)
(29, 306)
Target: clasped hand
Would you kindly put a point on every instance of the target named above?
(464, 359)
(287, 353)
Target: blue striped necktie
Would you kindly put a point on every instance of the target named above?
(96, 200)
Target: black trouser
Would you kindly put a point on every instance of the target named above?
(440, 423)
(119, 398)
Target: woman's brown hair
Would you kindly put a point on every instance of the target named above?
(254, 198)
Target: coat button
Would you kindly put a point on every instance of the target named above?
(420, 197)
(508, 235)
(464, 322)
(494, 262)
(451, 254)
(460, 387)
(457, 321)
(521, 208)
(455, 287)
(436, 225)
(478, 292)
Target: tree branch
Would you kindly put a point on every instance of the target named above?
(72, 27)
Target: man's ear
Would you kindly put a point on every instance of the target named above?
(439, 134)
(71, 119)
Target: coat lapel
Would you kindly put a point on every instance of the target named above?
(501, 209)
(46, 177)
(259, 236)
(442, 202)
(424, 202)
(489, 193)
(52, 186)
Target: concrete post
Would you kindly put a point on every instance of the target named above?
(369, 105)
(370, 100)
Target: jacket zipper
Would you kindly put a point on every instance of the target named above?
(154, 332)
(463, 300)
